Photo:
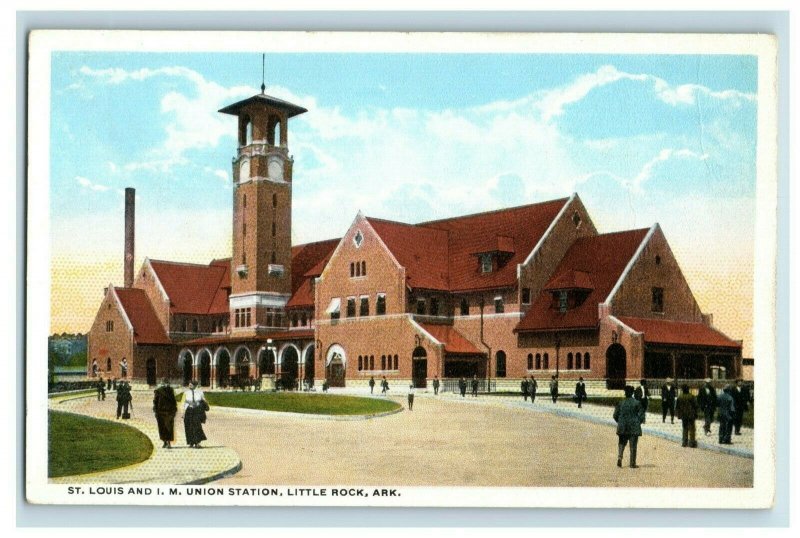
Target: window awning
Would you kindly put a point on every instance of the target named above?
(336, 304)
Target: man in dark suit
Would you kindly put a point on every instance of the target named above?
(462, 387)
(707, 398)
(436, 385)
(371, 384)
(532, 386)
(727, 410)
(629, 415)
(642, 395)
(687, 408)
(580, 391)
(554, 388)
(523, 387)
(668, 396)
(101, 389)
(124, 400)
(741, 398)
(165, 407)
(475, 386)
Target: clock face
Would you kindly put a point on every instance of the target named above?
(275, 170)
(244, 171)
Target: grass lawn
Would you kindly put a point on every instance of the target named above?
(318, 404)
(79, 445)
(654, 406)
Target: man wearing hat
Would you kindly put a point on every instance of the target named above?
(741, 397)
(668, 396)
(642, 394)
(707, 398)
(727, 409)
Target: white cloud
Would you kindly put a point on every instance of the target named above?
(553, 102)
(89, 184)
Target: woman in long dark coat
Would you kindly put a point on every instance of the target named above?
(194, 415)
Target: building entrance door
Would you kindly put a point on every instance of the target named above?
(151, 371)
(336, 373)
(616, 366)
(187, 370)
(420, 373)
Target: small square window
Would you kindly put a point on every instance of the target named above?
(486, 263)
(499, 305)
(526, 296)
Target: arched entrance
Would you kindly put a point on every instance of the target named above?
(616, 366)
(335, 364)
(204, 361)
(151, 371)
(289, 367)
(419, 371)
(223, 367)
(186, 363)
(242, 362)
(500, 364)
(308, 364)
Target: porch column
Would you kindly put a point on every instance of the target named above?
(705, 362)
(674, 358)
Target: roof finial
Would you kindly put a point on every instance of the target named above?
(263, 62)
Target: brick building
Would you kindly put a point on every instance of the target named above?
(529, 290)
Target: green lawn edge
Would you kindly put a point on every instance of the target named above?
(80, 445)
(310, 404)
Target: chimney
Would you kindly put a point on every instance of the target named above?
(130, 228)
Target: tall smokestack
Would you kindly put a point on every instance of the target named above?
(130, 228)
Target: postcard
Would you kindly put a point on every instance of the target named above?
(401, 269)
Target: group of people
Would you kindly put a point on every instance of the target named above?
(123, 368)
(529, 388)
(165, 407)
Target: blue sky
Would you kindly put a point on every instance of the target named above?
(641, 138)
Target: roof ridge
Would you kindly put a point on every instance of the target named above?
(500, 210)
(332, 239)
(192, 264)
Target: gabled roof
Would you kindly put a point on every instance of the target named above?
(454, 342)
(308, 261)
(658, 331)
(146, 327)
(441, 254)
(195, 288)
(600, 261)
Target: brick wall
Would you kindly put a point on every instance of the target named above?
(115, 344)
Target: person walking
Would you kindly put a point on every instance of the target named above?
(384, 385)
(532, 387)
(642, 395)
(411, 396)
(523, 387)
(741, 398)
(101, 389)
(371, 384)
(194, 415)
(165, 407)
(727, 410)
(123, 368)
(668, 395)
(687, 410)
(124, 400)
(114, 384)
(629, 416)
(108, 384)
(436, 385)
(707, 398)
(554, 388)
(580, 391)
(462, 386)
(475, 386)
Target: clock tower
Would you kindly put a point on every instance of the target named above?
(261, 266)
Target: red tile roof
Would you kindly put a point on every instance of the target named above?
(308, 261)
(658, 331)
(454, 342)
(195, 288)
(302, 297)
(601, 259)
(570, 280)
(441, 255)
(146, 327)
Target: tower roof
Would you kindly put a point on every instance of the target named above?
(264, 100)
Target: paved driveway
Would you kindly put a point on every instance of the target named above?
(459, 443)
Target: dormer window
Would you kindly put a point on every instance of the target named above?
(562, 301)
(486, 263)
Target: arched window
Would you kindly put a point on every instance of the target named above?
(244, 200)
(274, 200)
(530, 361)
(586, 364)
(294, 320)
(395, 362)
(546, 361)
(360, 363)
(195, 326)
(249, 132)
(464, 307)
(352, 269)
(184, 327)
(577, 361)
(273, 229)
(569, 361)
(108, 364)
(372, 362)
(538, 361)
(363, 268)
(500, 364)
(276, 134)
(383, 362)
